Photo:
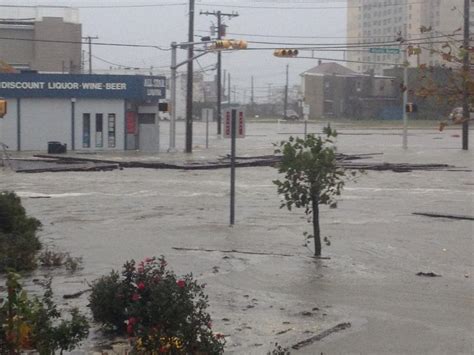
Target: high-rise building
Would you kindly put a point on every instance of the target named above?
(46, 39)
(375, 26)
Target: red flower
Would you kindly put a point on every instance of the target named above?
(141, 286)
(135, 297)
(181, 283)
(132, 321)
(130, 329)
(219, 335)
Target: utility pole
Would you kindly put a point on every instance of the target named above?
(223, 85)
(252, 97)
(405, 99)
(465, 70)
(219, 15)
(228, 89)
(89, 42)
(285, 103)
(189, 89)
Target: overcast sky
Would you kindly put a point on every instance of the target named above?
(161, 25)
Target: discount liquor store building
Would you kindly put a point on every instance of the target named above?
(84, 111)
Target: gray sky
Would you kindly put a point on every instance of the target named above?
(163, 24)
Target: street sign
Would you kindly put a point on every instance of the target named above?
(305, 109)
(240, 125)
(382, 50)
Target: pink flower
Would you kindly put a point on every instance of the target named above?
(219, 335)
(132, 321)
(149, 260)
(141, 286)
(209, 324)
(135, 297)
(130, 329)
(181, 283)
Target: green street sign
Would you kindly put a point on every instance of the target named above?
(384, 50)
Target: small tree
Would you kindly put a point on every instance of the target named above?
(18, 240)
(312, 176)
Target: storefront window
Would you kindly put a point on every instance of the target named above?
(99, 136)
(86, 130)
(111, 130)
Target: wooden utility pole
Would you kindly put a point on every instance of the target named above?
(189, 89)
(285, 103)
(465, 75)
(220, 32)
(89, 43)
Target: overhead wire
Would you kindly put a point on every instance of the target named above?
(85, 42)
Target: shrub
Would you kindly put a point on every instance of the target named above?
(51, 258)
(157, 310)
(18, 241)
(35, 324)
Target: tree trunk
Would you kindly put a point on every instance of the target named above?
(316, 231)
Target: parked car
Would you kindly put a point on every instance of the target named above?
(291, 115)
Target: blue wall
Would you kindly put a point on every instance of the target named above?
(131, 87)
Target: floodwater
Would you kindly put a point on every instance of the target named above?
(284, 295)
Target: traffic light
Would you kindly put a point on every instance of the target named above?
(286, 53)
(411, 107)
(163, 107)
(238, 44)
(229, 44)
(222, 44)
(3, 107)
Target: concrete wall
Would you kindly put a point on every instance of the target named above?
(56, 56)
(17, 52)
(8, 125)
(43, 120)
(43, 56)
(314, 95)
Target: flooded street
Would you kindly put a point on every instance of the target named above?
(282, 294)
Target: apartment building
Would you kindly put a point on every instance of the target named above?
(377, 25)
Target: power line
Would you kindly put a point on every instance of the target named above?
(216, 4)
(96, 6)
(393, 42)
(86, 42)
(307, 7)
(308, 37)
(127, 66)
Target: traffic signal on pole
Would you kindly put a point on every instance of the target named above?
(238, 44)
(222, 44)
(3, 107)
(229, 44)
(163, 107)
(286, 53)
(411, 107)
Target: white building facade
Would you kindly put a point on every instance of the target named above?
(85, 112)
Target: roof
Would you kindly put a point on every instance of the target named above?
(330, 69)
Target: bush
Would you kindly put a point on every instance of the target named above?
(18, 241)
(158, 311)
(35, 324)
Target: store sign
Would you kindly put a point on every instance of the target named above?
(146, 88)
(240, 129)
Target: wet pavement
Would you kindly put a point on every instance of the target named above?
(377, 244)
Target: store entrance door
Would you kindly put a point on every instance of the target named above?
(148, 133)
